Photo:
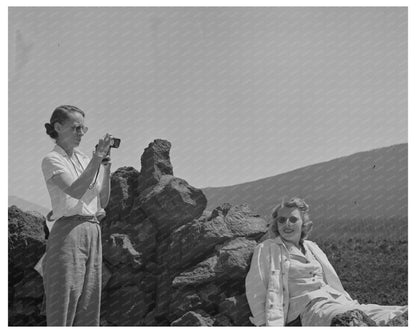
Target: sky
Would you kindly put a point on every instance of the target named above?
(241, 93)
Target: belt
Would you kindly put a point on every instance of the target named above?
(85, 218)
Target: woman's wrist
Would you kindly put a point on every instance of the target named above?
(97, 155)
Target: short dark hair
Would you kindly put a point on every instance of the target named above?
(60, 115)
(303, 208)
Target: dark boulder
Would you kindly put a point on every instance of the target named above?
(171, 203)
(193, 241)
(118, 249)
(352, 318)
(230, 262)
(400, 320)
(126, 306)
(155, 162)
(26, 242)
(123, 191)
(194, 318)
(236, 308)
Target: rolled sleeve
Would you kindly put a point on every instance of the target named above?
(52, 166)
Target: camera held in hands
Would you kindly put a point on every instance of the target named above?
(115, 143)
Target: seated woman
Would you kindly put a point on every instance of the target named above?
(290, 277)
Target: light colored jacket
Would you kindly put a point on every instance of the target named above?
(267, 288)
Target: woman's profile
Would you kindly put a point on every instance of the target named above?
(79, 189)
(290, 278)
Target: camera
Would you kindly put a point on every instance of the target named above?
(115, 143)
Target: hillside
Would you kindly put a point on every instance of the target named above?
(26, 205)
(352, 196)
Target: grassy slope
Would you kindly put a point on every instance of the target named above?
(349, 196)
(371, 271)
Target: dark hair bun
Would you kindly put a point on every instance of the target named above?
(50, 130)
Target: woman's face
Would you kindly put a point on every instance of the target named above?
(289, 224)
(71, 131)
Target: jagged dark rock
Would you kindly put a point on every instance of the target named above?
(171, 203)
(124, 275)
(118, 249)
(400, 320)
(201, 297)
(231, 261)
(222, 320)
(236, 308)
(31, 286)
(352, 318)
(26, 242)
(191, 242)
(155, 163)
(184, 301)
(123, 191)
(126, 306)
(240, 220)
(106, 274)
(194, 318)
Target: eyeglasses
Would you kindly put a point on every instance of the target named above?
(292, 219)
(79, 128)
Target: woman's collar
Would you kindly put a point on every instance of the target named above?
(278, 240)
(61, 151)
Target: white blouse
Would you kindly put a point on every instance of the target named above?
(306, 282)
(56, 162)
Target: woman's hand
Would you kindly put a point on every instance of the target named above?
(103, 147)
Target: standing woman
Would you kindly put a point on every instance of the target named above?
(79, 188)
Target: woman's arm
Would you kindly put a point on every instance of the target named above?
(62, 177)
(77, 188)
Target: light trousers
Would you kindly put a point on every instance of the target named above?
(321, 310)
(72, 272)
